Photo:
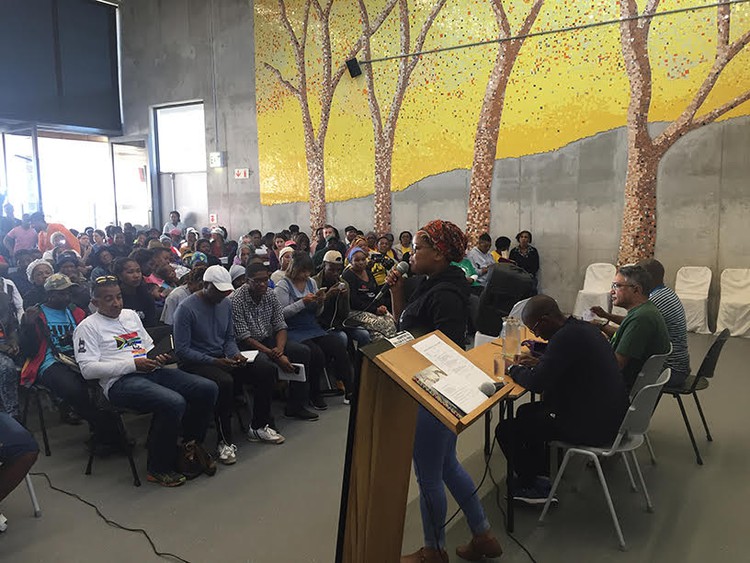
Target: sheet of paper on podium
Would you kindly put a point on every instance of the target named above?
(461, 386)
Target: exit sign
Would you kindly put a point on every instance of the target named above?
(241, 173)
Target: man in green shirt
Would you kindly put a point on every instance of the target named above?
(643, 332)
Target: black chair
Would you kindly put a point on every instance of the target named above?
(126, 445)
(699, 382)
(35, 390)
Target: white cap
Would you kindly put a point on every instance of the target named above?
(236, 271)
(219, 277)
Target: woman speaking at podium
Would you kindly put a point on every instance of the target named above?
(440, 302)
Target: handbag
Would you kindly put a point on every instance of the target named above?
(379, 326)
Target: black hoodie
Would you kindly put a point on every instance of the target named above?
(440, 302)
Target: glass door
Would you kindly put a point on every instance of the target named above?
(132, 186)
(21, 183)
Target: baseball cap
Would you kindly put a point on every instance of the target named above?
(284, 251)
(58, 282)
(333, 256)
(65, 258)
(236, 271)
(219, 277)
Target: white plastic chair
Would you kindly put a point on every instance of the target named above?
(691, 286)
(480, 338)
(596, 287)
(629, 438)
(734, 307)
(517, 311)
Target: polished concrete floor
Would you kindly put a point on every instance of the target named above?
(280, 503)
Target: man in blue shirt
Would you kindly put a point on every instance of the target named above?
(205, 345)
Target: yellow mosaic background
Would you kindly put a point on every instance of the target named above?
(564, 87)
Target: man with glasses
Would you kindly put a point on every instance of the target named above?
(584, 396)
(643, 331)
(259, 325)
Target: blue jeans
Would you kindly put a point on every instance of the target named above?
(178, 400)
(8, 386)
(15, 440)
(435, 464)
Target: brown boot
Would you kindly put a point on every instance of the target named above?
(480, 546)
(426, 555)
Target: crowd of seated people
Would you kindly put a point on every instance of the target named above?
(92, 305)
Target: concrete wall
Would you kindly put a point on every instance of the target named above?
(570, 199)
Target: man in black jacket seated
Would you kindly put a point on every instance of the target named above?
(584, 395)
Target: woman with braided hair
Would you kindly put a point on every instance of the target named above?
(440, 302)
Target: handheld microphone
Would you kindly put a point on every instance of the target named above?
(403, 269)
(490, 388)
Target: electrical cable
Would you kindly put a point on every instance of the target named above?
(109, 522)
(555, 31)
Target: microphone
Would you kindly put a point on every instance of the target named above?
(490, 388)
(403, 269)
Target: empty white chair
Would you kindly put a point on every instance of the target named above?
(691, 286)
(596, 287)
(481, 338)
(734, 307)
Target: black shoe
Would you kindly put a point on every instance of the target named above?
(68, 416)
(301, 414)
(187, 461)
(318, 403)
(206, 460)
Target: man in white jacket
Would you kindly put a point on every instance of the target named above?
(112, 346)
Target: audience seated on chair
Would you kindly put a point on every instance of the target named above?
(9, 351)
(112, 346)
(18, 452)
(671, 309)
(584, 395)
(643, 331)
(47, 342)
(194, 283)
(209, 349)
(259, 325)
(481, 258)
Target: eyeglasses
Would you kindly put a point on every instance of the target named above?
(536, 324)
(258, 282)
(105, 279)
(617, 286)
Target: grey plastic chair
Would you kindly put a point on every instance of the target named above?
(629, 438)
(32, 495)
(648, 375)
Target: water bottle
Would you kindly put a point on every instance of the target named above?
(511, 335)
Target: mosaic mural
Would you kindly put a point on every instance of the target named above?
(325, 136)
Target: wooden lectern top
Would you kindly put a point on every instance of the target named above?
(403, 363)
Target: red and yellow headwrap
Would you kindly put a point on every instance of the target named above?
(446, 237)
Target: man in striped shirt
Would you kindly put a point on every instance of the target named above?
(670, 307)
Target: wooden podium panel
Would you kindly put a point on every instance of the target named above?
(380, 469)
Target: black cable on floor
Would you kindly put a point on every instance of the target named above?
(505, 516)
(162, 554)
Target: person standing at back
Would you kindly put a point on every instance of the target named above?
(173, 223)
(45, 231)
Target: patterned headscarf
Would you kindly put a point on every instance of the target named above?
(446, 237)
(195, 258)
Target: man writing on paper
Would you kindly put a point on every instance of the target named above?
(259, 325)
(584, 395)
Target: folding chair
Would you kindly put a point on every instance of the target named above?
(699, 382)
(34, 390)
(691, 286)
(648, 375)
(629, 438)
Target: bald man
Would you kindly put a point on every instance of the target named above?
(584, 395)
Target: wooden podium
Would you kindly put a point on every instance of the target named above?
(380, 443)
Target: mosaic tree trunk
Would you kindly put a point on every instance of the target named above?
(317, 16)
(488, 127)
(384, 127)
(639, 224)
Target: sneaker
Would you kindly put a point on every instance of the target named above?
(318, 403)
(170, 479)
(532, 495)
(266, 434)
(3, 523)
(206, 460)
(348, 399)
(227, 453)
(301, 414)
